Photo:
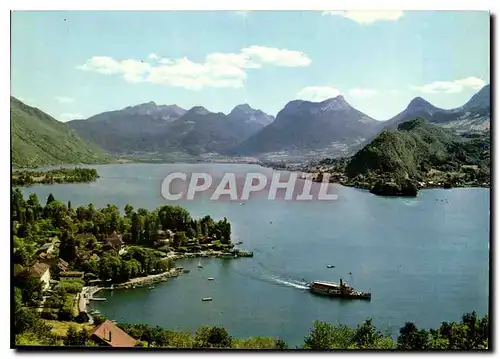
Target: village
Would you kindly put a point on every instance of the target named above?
(59, 278)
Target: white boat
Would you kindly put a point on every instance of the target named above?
(210, 278)
(199, 264)
(207, 299)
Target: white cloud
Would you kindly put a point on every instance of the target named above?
(362, 92)
(153, 56)
(366, 17)
(71, 116)
(455, 86)
(217, 70)
(63, 99)
(276, 57)
(317, 93)
(132, 70)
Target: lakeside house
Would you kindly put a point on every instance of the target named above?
(45, 251)
(115, 240)
(59, 262)
(41, 271)
(109, 334)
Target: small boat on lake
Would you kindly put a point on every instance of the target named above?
(207, 299)
(330, 266)
(185, 271)
(151, 287)
(210, 278)
(199, 264)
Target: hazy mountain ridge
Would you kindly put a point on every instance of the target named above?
(151, 128)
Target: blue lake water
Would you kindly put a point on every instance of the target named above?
(425, 259)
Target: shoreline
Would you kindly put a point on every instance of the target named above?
(88, 292)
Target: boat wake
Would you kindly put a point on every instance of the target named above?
(273, 278)
(291, 283)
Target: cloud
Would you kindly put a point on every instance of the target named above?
(132, 70)
(366, 17)
(70, 116)
(317, 93)
(217, 70)
(63, 99)
(455, 86)
(362, 92)
(153, 56)
(276, 57)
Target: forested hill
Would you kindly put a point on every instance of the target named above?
(420, 151)
(39, 140)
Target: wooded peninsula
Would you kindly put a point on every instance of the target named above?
(60, 175)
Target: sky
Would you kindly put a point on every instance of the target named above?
(76, 64)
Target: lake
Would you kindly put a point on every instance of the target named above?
(424, 259)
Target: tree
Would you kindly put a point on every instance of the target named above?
(67, 247)
(28, 319)
(366, 335)
(50, 199)
(281, 344)
(410, 338)
(128, 210)
(31, 288)
(212, 337)
(174, 217)
(179, 239)
(75, 337)
(18, 299)
(135, 228)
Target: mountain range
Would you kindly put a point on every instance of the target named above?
(149, 131)
(153, 129)
(472, 116)
(331, 127)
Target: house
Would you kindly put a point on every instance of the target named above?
(62, 264)
(168, 234)
(114, 240)
(46, 248)
(59, 262)
(108, 334)
(163, 242)
(45, 251)
(41, 271)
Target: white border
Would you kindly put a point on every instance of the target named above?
(170, 5)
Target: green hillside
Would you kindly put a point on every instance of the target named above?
(421, 152)
(39, 140)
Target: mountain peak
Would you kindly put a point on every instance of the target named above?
(243, 108)
(480, 99)
(199, 110)
(147, 104)
(418, 103)
(334, 103)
